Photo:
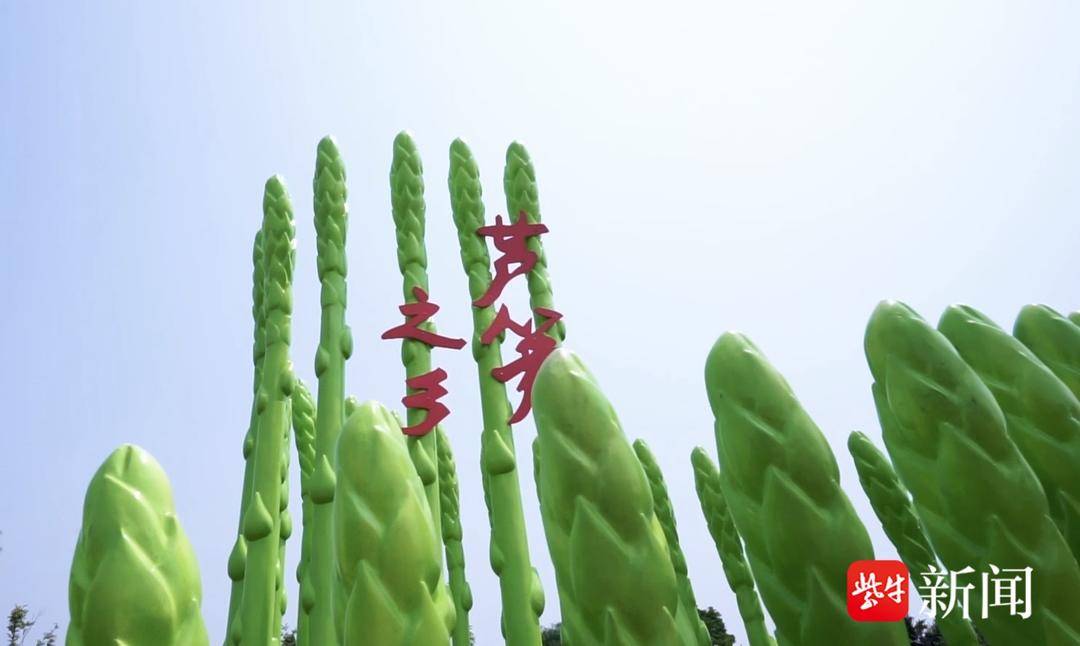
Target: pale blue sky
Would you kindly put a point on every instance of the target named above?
(771, 168)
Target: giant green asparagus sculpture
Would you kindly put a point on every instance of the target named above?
(615, 578)
(1042, 415)
(978, 499)
(387, 550)
(238, 556)
(303, 415)
(134, 578)
(407, 206)
(690, 625)
(335, 346)
(1054, 339)
(893, 508)
(729, 546)
(261, 605)
(450, 507)
(522, 198)
(783, 487)
(522, 595)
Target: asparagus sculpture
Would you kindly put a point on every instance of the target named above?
(450, 507)
(387, 550)
(134, 578)
(783, 487)
(335, 346)
(690, 625)
(615, 578)
(238, 556)
(1042, 415)
(522, 595)
(978, 499)
(303, 415)
(407, 205)
(893, 508)
(522, 199)
(1054, 339)
(729, 546)
(261, 605)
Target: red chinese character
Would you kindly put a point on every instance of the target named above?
(418, 313)
(877, 590)
(430, 390)
(512, 241)
(534, 347)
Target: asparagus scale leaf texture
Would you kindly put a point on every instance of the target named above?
(261, 605)
(615, 577)
(335, 346)
(782, 484)
(1042, 415)
(1054, 339)
(729, 546)
(519, 585)
(690, 625)
(388, 552)
(893, 507)
(303, 416)
(238, 556)
(134, 578)
(450, 508)
(408, 209)
(977, 497)
(522, 199)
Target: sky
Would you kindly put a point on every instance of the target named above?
(771, 168)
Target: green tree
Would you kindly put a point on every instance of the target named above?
(551, 635)
(714, 623)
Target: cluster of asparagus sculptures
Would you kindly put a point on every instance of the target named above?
(982, 428)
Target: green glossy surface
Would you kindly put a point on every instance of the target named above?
(335, 346)
(388, 552)
(303, 420)
(782, 486)
(1042, 415)
(690, 625)
(450, 508)
(519, 585)
(893, 507)
(264, 523)
(615, 577)
(975, 494)
(1054, 339)
(134, 578)
(729, 545)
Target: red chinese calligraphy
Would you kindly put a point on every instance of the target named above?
(430, 390)
(534, 347)
(417, 314)
(512, 241)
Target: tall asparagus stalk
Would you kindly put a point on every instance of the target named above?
(1075, 317)
(1042, 415)
(451, 534)
(388, 553)
(335, 346)
(978, 499)
(893, 508)
(729, 546)
(783, 487)
(522, 594)
(615, 577)
(691, 627)
(407, 206)
(303, 417)
(522, 196)
(1054, 339)
(261, 605)
(134, 578)
(238, 556)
